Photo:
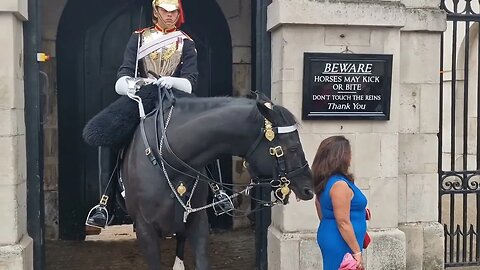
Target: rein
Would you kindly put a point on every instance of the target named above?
(280, 182)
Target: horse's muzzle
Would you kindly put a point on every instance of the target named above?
(303, 193)
(307, 194)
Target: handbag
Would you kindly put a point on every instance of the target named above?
(367, 239)
(348, 263)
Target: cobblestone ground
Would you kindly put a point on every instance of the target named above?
(116, 248)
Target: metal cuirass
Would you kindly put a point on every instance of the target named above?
(160, 54)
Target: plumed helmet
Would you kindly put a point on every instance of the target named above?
(171, 5)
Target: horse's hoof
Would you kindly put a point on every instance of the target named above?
(178, 264)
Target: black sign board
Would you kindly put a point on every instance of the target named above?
(346, 86)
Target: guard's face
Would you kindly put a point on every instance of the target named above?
(169, 18)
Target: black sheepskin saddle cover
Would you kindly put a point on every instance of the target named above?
(114, 126)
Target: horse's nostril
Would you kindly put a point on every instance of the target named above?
(308, 192)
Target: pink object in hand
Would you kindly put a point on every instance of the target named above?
(348, 263)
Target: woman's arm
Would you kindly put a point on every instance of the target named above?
(318, 207)
(341, 195)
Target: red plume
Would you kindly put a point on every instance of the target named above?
(181, 18)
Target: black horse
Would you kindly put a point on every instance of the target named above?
(161, 168)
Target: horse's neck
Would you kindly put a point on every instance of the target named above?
(208, 134)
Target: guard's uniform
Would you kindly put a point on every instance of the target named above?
(169, 54)
(178, 58)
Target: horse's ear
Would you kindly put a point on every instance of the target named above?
(259, 96)
(252, 95)
(266, 110)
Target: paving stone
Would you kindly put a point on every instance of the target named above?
(118, 249)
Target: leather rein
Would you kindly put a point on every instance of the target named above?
(279, 182)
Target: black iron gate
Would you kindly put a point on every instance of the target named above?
(459, 137)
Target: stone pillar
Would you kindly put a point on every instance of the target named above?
(15, 245)
(238, 16)
(418, 144)
(377, 27)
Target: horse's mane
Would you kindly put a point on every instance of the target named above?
(204, 103)
(115, 125)
(287, 116)
(207, 102)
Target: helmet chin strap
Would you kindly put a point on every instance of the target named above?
(164, 25)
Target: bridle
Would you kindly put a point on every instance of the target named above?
(279, 181)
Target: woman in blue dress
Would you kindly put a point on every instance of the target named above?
(340, 204)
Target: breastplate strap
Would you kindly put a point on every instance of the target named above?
(159, 43)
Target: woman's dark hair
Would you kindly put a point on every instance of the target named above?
(333, 157)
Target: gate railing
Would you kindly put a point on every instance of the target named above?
(459, 140)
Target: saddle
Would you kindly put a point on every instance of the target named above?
(114, 125)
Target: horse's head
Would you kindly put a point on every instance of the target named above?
(277, 154)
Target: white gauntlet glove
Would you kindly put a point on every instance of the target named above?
(178, 83)
(127, 85)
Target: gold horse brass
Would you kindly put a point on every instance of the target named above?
(269, 134)
(181, 189)
(285, 190)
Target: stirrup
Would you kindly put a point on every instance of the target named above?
(226, 204)
(97, 208)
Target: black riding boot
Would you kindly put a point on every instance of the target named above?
(99, 216)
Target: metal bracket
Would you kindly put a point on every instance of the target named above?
(276, 151)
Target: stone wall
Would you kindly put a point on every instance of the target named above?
(15, 244)
(419, 106)
(52, 10)
(394, 161)
(238, 16)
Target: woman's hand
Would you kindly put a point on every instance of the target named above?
(358, 258)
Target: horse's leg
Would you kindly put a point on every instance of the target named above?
(197, 236)
(179, 265)
(148, 242)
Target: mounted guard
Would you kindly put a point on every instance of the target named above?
(162, 55)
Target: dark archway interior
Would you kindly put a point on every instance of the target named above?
(91, 39)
